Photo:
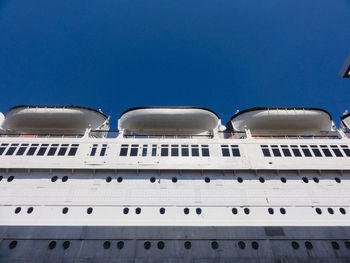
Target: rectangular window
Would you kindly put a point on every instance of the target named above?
(346, 150)
(195, 150)
(32, 149)
(73, 149)
(295, 150)
(3, 147)
(52, 150)
(265, 150)
(134, 149)
(184, 150)
(42, 149)
(63, 150)
(154, 149)
(144, 150)
(276, 152)
(326, 151)
(124, 150)
(286, 151)
(12, 149)
(306, 151)
(164, 150)
(93, 150)
(316, 151)
(225, 151)
(205, 150)
(22, 149)
(103, 150)
(336, 151)
(174, 150)
(235, 151)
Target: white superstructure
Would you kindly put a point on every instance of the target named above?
(173, 184)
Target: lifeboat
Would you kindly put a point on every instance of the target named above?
(345, 121)
(169, 121)
(52, 120)
(281, 121)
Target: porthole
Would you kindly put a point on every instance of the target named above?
(161, 245)
(283, 211)
(241, 245)
(65, 210)
(17, 210)
(52, 245)
(186, 211)
(283, 180)
(255, 245)
(138, 210)
(187, 245)
(13, 244)
(198, 211)
(30, 210)
(152, 179)
(240, 180)
(126, 210)
(261, 179)
(147, 245)
(342, 210)
(66, 244)
(214, 245)
(305, 180)
(318, 210)
(295, 245)
(335, 245)
(120, 179)
(1, 178)
(162, 211)
(54, 179)
(10, 179)
(120, 245)
(347, 244)
(106, 245)
(64, 178)
(174, 179)
(337, 180)
(330, 210)
(308, 245)
(316, 180)
(207, 179)
(246, 211)
(89, 210)
(234, 211)
(271, 211)
(108, 179)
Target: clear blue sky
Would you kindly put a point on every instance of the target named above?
(223, 55)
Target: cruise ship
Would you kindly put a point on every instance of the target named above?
(174, 184)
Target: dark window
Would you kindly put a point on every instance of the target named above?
(42, 149)
(276, 152)
(64, 178)
(207, 179)
(63, 150)
(326, 151)
(283, 211)
(22, 149)
(205, 150)
(144, 150)
(195, 150)
(214, 245)
(174, 179)
(120, 245)
(241, 245)
(3, 147)
(186, 211)
(347, 244)
(30, 210)
(305, 180)
(126, 210)
(106, 244)
(52, 244)
(10, 179)
(154, 150)
(66, 244)
(316, 151)
(246, 211)
(316, 180)
(1, 177)
(52, 150)
(308, 245)
(240, 179)
(17, 210)
(65, 210)
(89, 210)
(261, 179)
(32, 149)
(54, 179)
(225, 151)
(198, 211)
(93, 150)
(120, 179)
(124, 150)
(346, 150)
(296, 151)
(73, 149)
(161, 245)
(235, 150)
(234, 211)
(138, 210)
(134, 149)
(336, 151)
(162, 211)
(187, 245)
(271, 211)
(12, 149)
(184, 150)
(330, 210)
(337, 180)
(335, 245)
(174, 150)
(255, 245)
(13, 244)
(152, 179)
(147, 245)
(306, 151)
(318, 210)
(283, 180)
(164, 150)
(108, 179)
(295, 245)
(342, 210)
(265, 150)
(103, 150)
(286, 151)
